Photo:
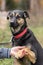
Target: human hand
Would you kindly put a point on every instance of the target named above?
(14, 50)
(21, 53)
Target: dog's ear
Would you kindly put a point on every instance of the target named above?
(8, 15)
(26, 15)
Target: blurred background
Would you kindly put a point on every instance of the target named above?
(35, 23)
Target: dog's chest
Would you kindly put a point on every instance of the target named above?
(19, 42)
(25, 40)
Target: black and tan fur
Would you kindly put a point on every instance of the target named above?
(18, 23)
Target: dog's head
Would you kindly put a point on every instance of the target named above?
(17, 20)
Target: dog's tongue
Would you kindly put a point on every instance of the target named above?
(21, 34)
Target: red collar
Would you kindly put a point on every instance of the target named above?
(21, 34)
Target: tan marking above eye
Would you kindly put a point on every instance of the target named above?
(13, 14)
(17, 14)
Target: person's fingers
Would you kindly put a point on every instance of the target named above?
(22, 53)
(18, 48)
(14, 50)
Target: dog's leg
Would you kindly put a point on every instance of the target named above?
(22, 61)
(26, 61)
(17, 62)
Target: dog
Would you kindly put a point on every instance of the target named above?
(22, 36)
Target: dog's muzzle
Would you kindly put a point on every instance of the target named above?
(14, 23)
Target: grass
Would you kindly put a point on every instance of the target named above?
(6, 62)
(5, 36)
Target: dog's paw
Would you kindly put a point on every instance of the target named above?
(26, 52)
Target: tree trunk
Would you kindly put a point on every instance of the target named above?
(34, 6)
(3, 5)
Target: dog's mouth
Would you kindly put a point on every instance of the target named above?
(17, 27)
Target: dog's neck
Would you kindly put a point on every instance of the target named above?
(21, 34)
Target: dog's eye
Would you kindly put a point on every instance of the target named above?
(17, 17)
(11, 15)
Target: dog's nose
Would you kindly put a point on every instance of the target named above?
(13, 23)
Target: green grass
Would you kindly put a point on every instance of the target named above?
(5, 36)
(7, 62)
